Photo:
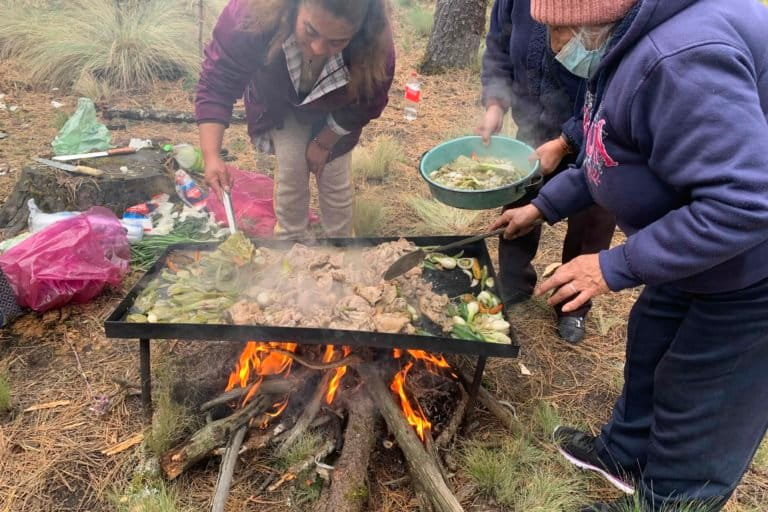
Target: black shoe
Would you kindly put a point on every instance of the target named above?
(579, 449)
(572, 328)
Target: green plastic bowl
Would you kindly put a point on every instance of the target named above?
(501, 147)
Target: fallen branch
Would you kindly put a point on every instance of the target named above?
(347, 492)
(228, 463)
(211, 436)
(307, 415)
(161, 116)
(493, 405)
(425, 472)
(48, 405)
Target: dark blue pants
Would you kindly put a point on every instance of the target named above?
(695, 402)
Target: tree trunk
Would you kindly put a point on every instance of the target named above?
(54, 190)
(455, 40)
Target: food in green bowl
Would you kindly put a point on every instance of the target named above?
(473, 173)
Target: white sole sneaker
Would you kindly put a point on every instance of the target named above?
(586, 466)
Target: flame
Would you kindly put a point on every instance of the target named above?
(333, 385)
(279, 408)
(257, 360)
(431, 360)
(415, 418)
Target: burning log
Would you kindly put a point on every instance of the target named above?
(228, 463)
(213, 435)
(279, 386)
(425, 472)
(349, 476)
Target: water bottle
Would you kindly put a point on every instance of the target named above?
(412, 97)
(188, 157)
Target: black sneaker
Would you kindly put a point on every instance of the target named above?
(572, 328)
(579, 449)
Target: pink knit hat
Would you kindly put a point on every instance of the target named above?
(579, 12)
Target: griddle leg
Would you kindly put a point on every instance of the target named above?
(474, 387)
(146, 377)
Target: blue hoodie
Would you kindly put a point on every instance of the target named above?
(676, 123)
(520, 73)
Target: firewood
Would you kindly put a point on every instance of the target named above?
(307, 415)
(207, 439)
(425, 473)
(278, 386)
(449, 432)
(348, 482)
(347, 361)
(228, 463)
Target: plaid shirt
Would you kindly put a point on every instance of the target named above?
(334, 75)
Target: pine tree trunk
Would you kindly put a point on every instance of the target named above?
(455, 40)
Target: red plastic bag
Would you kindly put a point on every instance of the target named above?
(251, 201)
(252, 204)
(69, 261)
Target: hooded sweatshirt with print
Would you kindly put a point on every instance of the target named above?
(676, 128)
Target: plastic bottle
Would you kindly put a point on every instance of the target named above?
(412, 97)
(188, 157)
(189, 191)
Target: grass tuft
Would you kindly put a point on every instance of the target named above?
(94, 45)
(522, 476)
(545, 419)
(306, 446)
(149, 496)
(375, 163)
(368, 217)
(5, 393)
(420, 20)
(436, 218)
(171, 420)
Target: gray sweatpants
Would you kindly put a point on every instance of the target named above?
(292, 186)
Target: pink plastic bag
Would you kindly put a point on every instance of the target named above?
(251, 201)
(69, 261)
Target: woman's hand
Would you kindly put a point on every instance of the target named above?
(216, 175)
(317, 157)
(550, 154)
(580, 280)
(491, 123)
(519, 221)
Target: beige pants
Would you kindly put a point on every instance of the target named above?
(292, 186)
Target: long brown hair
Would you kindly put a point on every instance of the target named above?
(368, 50)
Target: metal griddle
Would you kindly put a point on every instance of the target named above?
(451, 283)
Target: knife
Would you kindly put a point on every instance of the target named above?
(133, 147)
(75, 169)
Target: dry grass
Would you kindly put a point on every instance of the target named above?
(5, 394)
(369, 217)
(95, 45)
(146, 496)
(375, 162)
(436, 218)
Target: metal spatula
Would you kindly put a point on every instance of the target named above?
(227, 200)
(412, 259)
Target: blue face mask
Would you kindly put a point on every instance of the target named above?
(578, 60)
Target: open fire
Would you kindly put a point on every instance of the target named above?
(261, 359)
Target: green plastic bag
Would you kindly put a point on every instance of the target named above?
(82, 132)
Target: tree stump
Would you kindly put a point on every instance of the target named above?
(54, 190)
(455, 40)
